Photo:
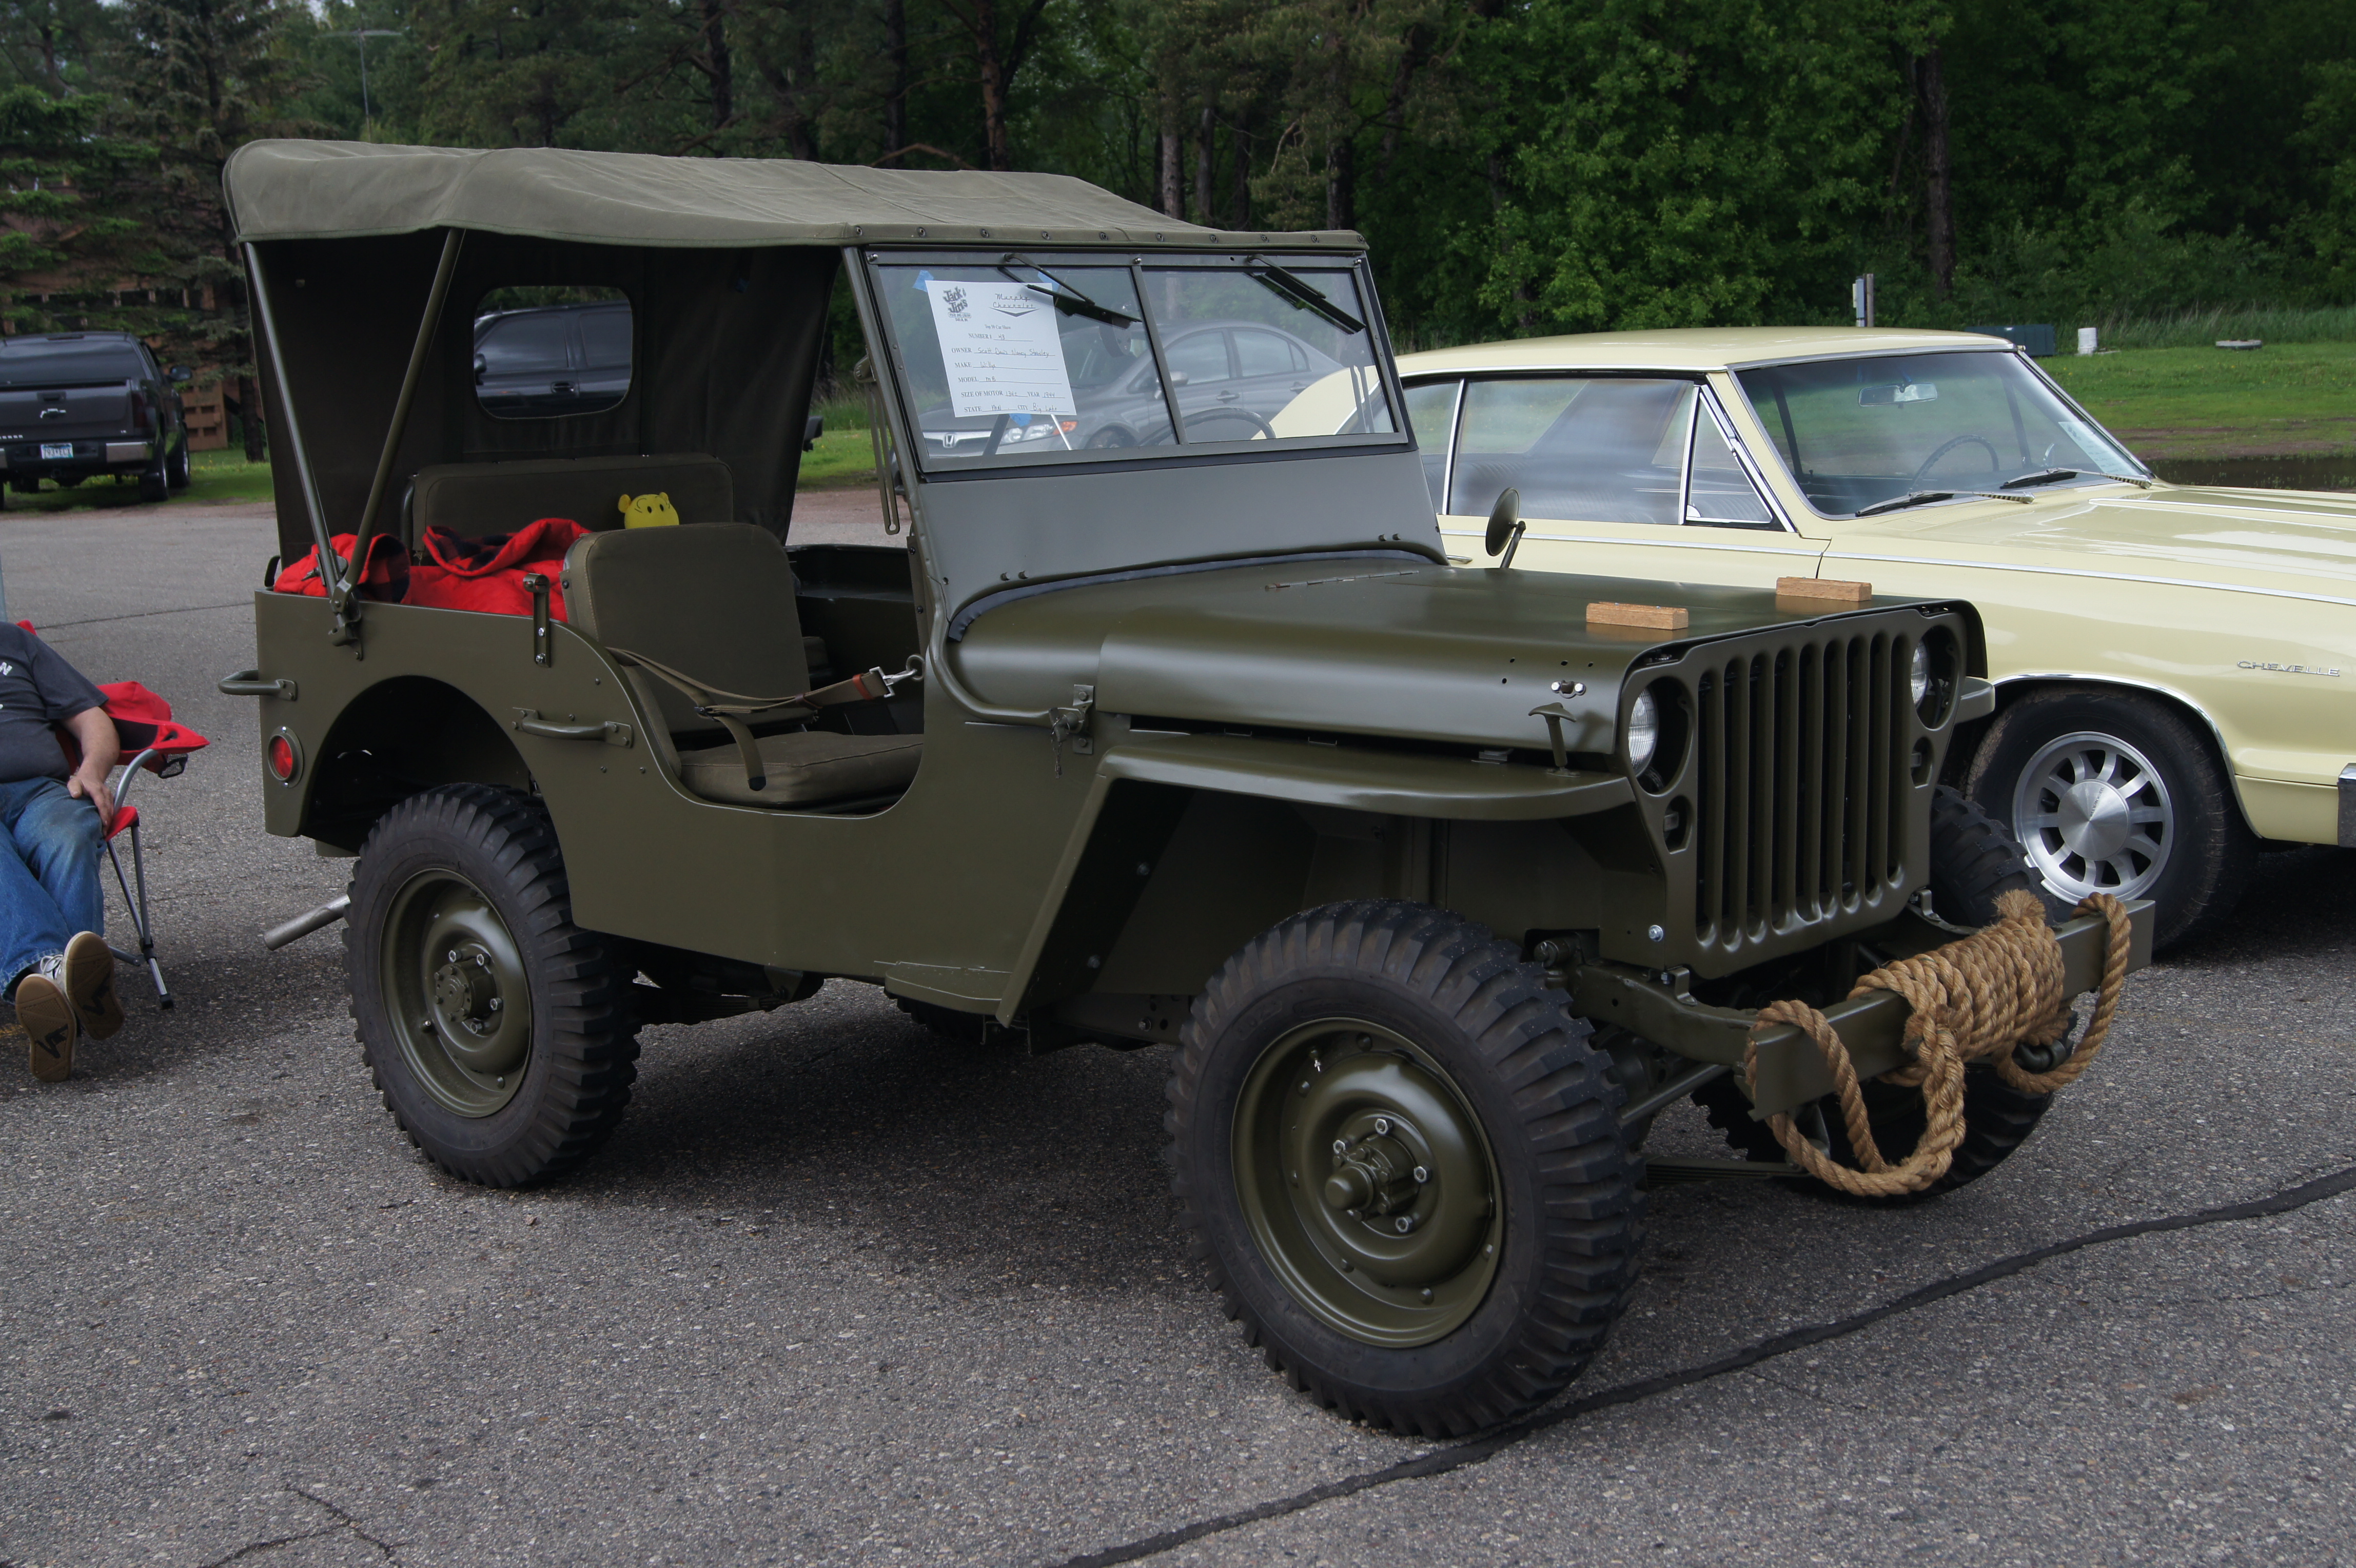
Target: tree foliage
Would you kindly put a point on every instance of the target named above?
(1521, 165)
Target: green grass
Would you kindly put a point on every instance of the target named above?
(2202, 328)
(2285, 400)
(844, 459)
(218, 478)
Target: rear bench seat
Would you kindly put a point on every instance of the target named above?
(474, 498)
(716, 601)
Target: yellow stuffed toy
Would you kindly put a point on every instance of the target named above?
(649, 512)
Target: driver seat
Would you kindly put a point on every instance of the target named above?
(715, 601)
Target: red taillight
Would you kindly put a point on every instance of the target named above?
(280, 754)
(139, 408)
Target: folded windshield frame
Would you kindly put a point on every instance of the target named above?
(1362, 385)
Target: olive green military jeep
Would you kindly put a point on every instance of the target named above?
(1167, 721)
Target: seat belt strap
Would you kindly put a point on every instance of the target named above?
(733, 708)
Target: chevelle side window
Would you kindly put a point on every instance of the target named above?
(1580, 449)
(1431, 416)
(1717, 489)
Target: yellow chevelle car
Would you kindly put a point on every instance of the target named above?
(2175, 667)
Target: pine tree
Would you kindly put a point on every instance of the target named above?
(200, 78)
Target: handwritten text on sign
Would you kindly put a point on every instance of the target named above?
(1001, 349)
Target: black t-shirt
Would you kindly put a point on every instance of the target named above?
(37, 689)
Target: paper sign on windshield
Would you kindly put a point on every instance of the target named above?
(1000, 347)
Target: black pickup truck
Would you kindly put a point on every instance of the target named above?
(78, 404)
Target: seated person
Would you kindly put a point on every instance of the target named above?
(53, 825)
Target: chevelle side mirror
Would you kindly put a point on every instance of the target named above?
(482, 369)
(1505, 526)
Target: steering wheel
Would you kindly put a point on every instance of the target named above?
(1264, 427)
(1995, 462)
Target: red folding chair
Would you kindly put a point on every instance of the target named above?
(152, 742)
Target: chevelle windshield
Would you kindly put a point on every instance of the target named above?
(1861, 433)
(1020, 362)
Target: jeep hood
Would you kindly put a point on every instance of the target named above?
(1385, 648)
(2294, 542)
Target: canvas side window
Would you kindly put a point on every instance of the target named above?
(1580, 449)
(1432, 415)
(1717, 489)
(549, 352)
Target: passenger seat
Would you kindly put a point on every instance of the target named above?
(716, 601)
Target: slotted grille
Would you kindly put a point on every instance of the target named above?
(1802, 757)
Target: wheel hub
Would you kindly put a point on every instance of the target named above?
(456, 990)
(2094, 815)
(2091, 820)
(1368, 1184)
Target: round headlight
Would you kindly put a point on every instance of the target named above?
(1644, 731)
(1919, 676)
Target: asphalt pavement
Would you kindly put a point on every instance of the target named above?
(838, 1292)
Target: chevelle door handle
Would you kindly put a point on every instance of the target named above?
(528, 721)
(1229, 396)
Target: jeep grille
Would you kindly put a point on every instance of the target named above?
(1803, 783)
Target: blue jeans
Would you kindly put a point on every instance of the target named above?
(49, 845)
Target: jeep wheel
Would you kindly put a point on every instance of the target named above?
(1402, 1162)
(2117, 794)
(497, 1030)
(1997, 1119)
(1974, 861)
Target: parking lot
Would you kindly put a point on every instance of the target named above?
(838, 1292)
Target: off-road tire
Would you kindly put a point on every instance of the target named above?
(1569, 1212)
(2215, 850)
(959, 1029)
(1997, 1119)
(583, 1048)
(1974, 860)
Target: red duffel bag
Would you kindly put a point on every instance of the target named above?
(486, 573)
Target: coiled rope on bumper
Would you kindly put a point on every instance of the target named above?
(1976, 999)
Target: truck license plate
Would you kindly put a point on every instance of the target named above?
(56, 449)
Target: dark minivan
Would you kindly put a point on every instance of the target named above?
(77, 404)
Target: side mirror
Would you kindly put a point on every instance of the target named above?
(1505, 526)
(1177, 378)
(178, 374)
(814, 427)
(482, 369)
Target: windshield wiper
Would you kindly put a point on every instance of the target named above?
(1069, 300)
(2054, 475)
(1297, 289)
(1917, 497)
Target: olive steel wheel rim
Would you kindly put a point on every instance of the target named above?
(455, 987)
(1367, 1183)
(2095, 816)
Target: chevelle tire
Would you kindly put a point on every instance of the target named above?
(2116, 793)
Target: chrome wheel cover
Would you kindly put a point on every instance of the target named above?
(2095, 816)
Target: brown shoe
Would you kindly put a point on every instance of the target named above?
(49, 1021)
(89, 984)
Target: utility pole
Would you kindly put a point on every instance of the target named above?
(363, 34)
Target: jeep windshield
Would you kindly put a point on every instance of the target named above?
(1856, 433)
(1031, 360)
